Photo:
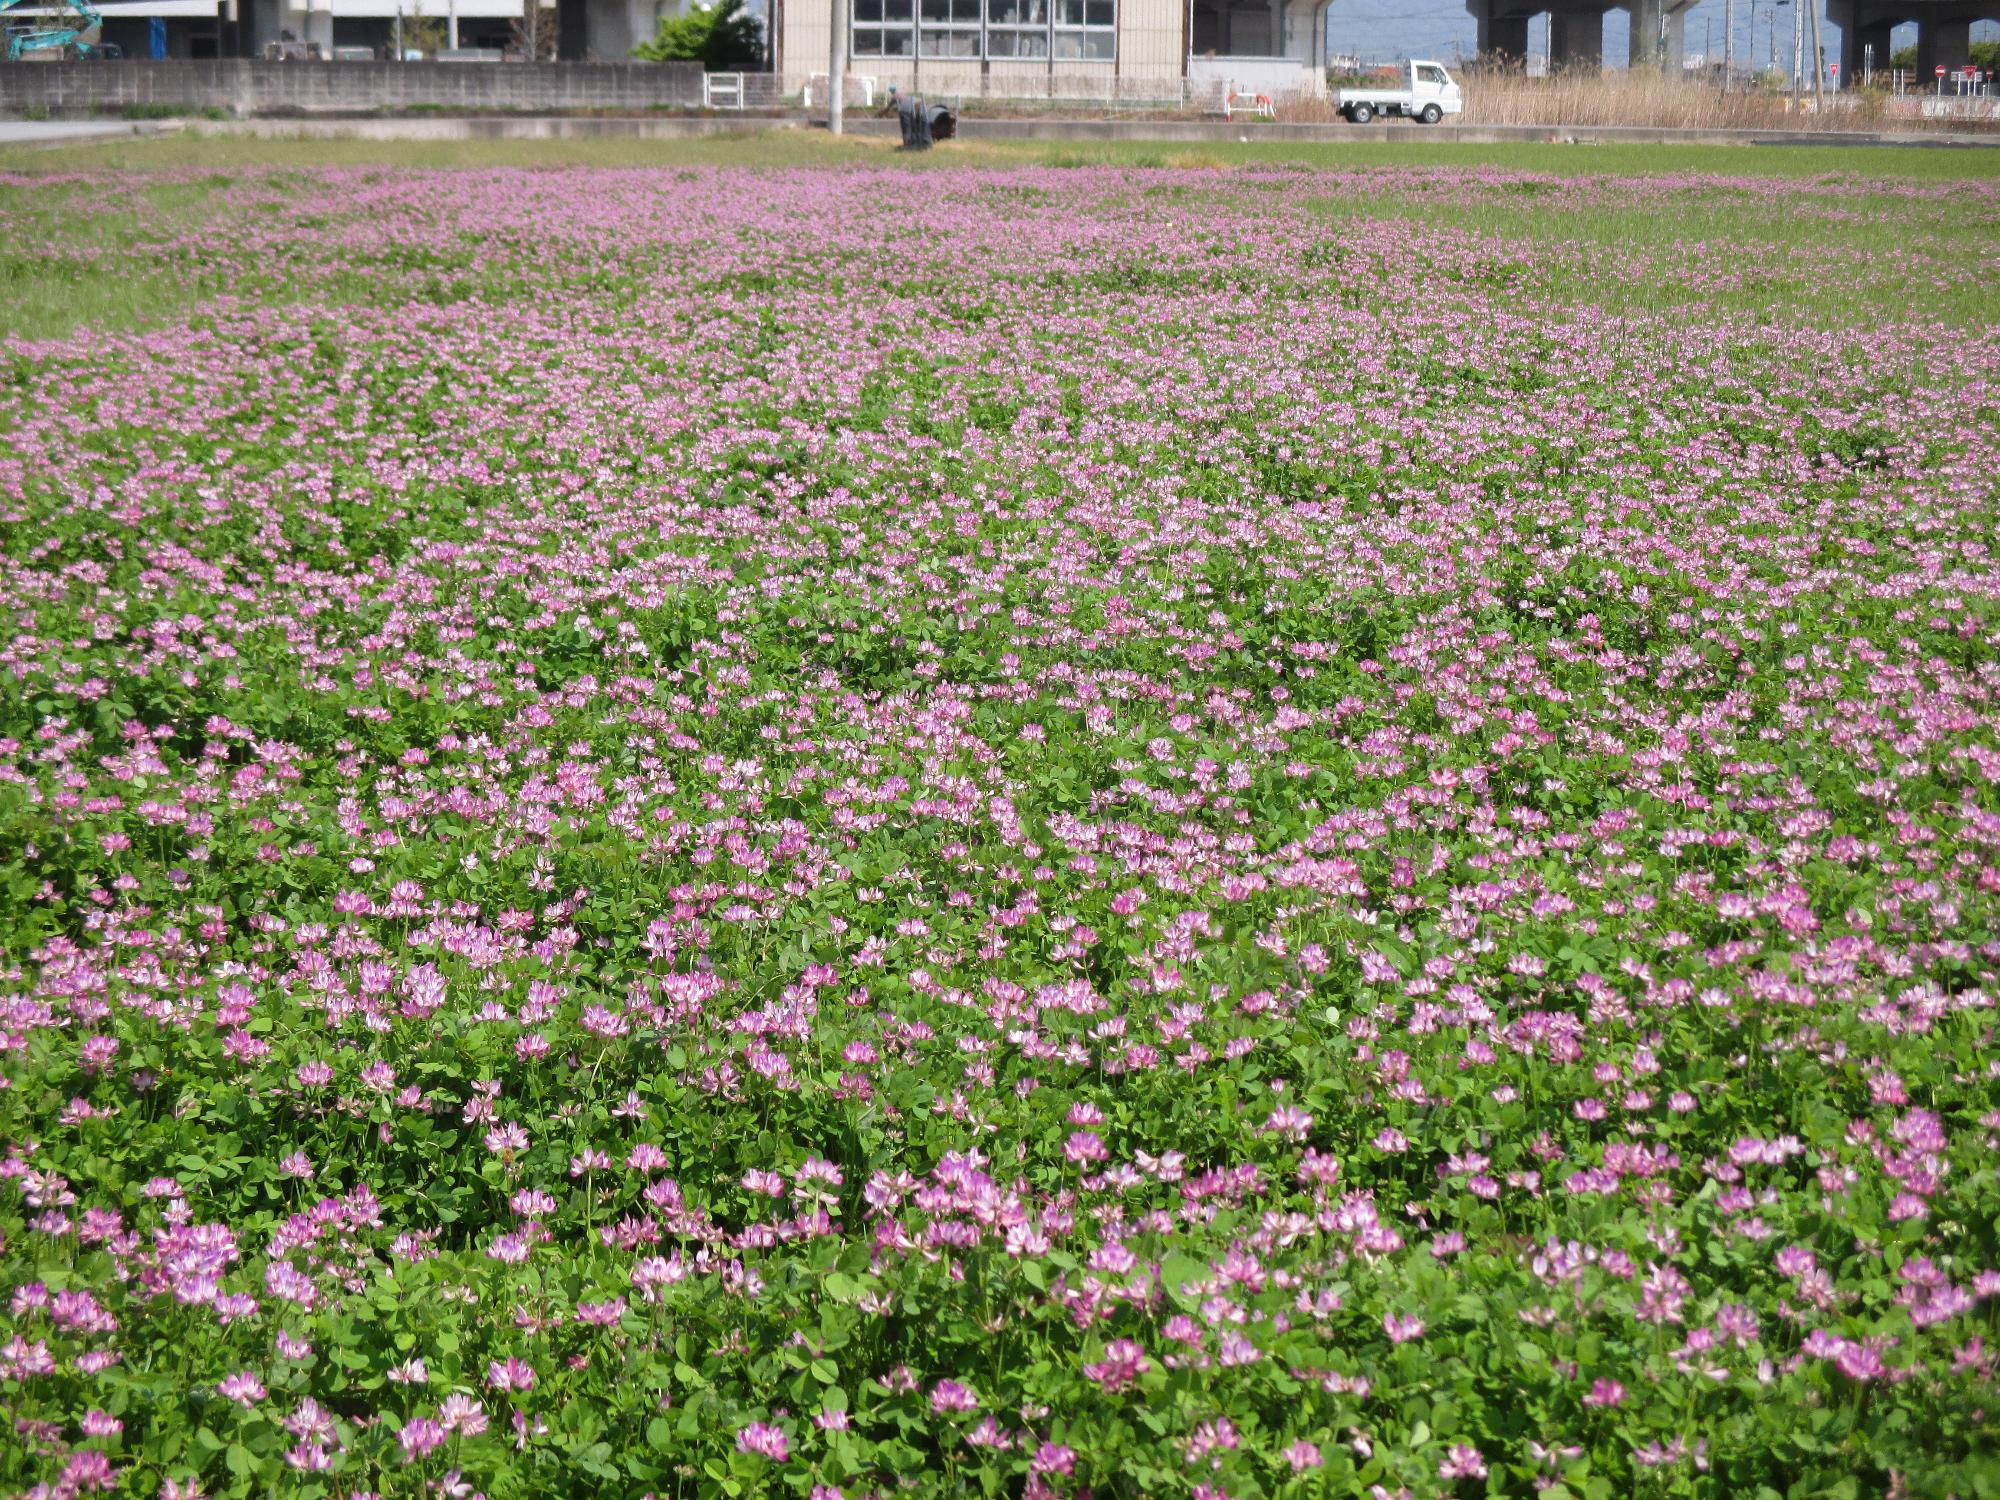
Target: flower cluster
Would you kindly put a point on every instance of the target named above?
(1168, 840)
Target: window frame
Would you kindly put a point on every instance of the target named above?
(961, 20)
(881, 28)
(1084, 32)
(1046, 41)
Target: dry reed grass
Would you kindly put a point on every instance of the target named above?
(1656, 101)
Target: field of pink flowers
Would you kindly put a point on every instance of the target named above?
(984, 832)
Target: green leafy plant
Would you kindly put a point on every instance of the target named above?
(1182, 844)
(722, 37)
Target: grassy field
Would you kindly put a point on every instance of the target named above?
(1907, 254)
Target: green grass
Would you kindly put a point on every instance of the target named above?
(1896, 257)
(1903, 163)
(60, 238)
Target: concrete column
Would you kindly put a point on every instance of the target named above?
(1854, 44)
(1648, 50)
(572, 30)
(1298, 29)
(1576, 40)
(1645, 51)
(1945, 42)
(1505, 36)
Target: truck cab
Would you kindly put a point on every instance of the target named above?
(1429, 94)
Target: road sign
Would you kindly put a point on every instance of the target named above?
(1940, 71)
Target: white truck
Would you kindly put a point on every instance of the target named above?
(1433, 93)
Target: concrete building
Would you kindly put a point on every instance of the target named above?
(607, 30)
(586, 30)
(1127, 50)
(145, 28)
(374, 24)
(163, 28)
(1108, 49)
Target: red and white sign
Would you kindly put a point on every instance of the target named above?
(1940, 71)
(1833, 70)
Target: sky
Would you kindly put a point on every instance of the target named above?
(1386, 31)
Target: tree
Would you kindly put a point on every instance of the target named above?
(425, 34)
(1981, 55)
(534, 34)
(719, 36)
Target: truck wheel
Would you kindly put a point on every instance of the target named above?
(1361, 114)
(1431, 115)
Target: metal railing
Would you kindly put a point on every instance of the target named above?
(734, 91)
(861, 89)
(1227, 98)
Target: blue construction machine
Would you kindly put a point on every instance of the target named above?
(71, 28)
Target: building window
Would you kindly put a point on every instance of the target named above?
(1017, 28)
(950, 28)
(1087, 29)
(884, 28)
(1076, 30)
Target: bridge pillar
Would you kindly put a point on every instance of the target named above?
(1854, 44)
(1576, 40)
(1503, 36)
(1942, 42)
(1659, 33)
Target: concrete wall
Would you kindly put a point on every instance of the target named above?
(1152, 40)
(1282, 78)
(1184, 128)
(262, 88)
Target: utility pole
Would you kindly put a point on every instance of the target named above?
(1798, 50)
(1729, 38)
(1819, 56)
(836, 69)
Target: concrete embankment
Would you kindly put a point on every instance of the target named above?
(445, 127)
(541, 127)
